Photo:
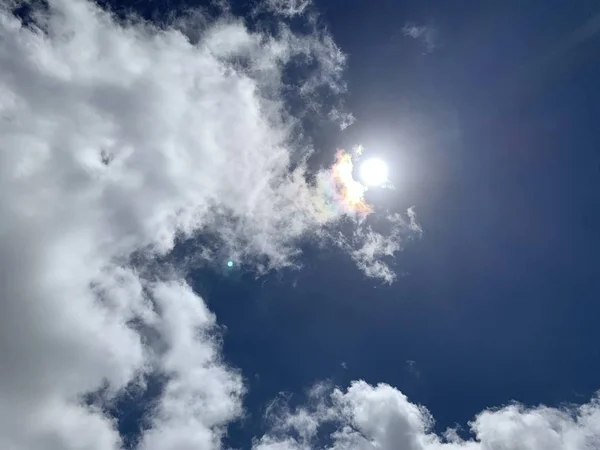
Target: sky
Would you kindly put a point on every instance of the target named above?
(190, 260)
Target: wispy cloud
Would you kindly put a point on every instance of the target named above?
(411, 367)
(369, 248)
(344, 119)
(426, 34)
(287, 8)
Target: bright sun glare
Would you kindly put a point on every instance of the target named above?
(374, 172)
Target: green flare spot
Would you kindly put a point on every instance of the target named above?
(229, 263)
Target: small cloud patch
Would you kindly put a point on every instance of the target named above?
(426, 34)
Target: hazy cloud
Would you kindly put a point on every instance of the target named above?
(426, 34)
(411, 366)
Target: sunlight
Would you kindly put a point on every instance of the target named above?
(374, 172)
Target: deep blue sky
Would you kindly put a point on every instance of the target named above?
(494, 138)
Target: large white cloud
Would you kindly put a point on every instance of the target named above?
(367, 417)
(117, 138)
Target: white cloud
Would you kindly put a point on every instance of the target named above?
(116, 138)
(202, 395)
(344, 119)
(368, 247)
(287, 8)
(426, 34)
(380, 417)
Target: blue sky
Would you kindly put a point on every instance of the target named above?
(121, 315)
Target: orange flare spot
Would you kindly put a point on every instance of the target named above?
(351, 191)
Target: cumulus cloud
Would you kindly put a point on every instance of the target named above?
(117, 139)
(366, 417)
(426, 34)
(202, 395)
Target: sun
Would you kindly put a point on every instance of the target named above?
(374, 172)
